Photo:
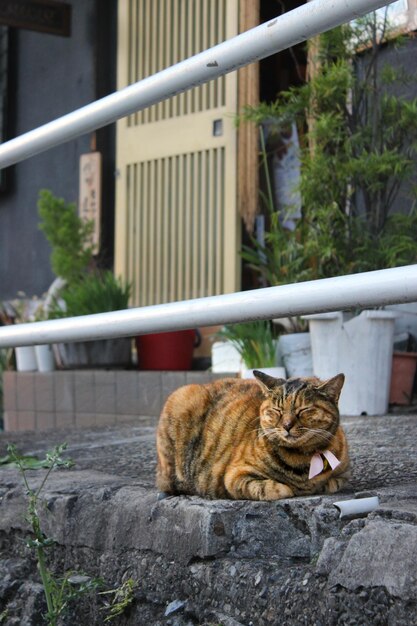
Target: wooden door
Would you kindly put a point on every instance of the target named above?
(177, 228)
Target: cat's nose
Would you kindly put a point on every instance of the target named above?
(287, 426)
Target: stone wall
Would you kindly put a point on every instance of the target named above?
(62, 399)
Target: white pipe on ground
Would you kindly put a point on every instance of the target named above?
(357, 506)
(365, 290)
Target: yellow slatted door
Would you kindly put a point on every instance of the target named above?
(177, 230)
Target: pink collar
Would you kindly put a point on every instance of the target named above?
(317, 463)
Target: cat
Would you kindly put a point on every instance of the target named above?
(262, 439)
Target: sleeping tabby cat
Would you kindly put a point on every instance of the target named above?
(261, 439)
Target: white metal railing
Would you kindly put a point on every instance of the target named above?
(278, 34)
(329, 294)
(359, 290)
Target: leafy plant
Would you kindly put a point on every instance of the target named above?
(121, 599)
(87, 289)
(59, 592)
(254, 341)
(68, 234)
(359, 150)
(95, 293)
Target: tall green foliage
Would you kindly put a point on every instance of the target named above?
(87, 289)
(68, 235)
(359, 150)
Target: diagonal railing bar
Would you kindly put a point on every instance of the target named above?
(365, 290)
(345, 292)
(278, 34)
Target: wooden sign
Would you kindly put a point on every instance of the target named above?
(90, 192)
(45, 16)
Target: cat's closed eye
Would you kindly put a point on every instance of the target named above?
(273, 413)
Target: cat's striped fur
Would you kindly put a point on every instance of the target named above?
(246, 439)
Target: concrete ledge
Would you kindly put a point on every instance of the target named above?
(287, 563)
(108, 526)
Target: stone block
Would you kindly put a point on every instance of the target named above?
(197, 378)
(64, 392)
(25, 391)
(171, 381)
(180, 528)
(65, 419)
(45, 420)
(84, 392)
(149, 393)
(127, 393)
(26, 420)
(85, 420)
(105, 419)
(11, 421)
(105, 392)
(220, 375)
(391, 549)
(9, 391)
(44, 392)
(330, 556)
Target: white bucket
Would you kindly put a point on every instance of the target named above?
(225, 357)
(360, 348)
(26, 359)
(45, 358)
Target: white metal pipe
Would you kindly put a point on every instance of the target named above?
(369, 289)
(357, 506)
(278, 34)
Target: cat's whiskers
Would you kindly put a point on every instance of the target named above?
(268, 433)
(324, 435)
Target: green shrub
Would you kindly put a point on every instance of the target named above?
(359, 150)
(95, 293)
(254, 341)
(68, 235)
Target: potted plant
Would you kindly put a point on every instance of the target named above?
(279, 259)
(18, 311)
(359, 150)
(97, 292)
(83, 288)
(169, 351)
(256, 345)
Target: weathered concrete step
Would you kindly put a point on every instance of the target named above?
(96, 510)
(237, 559)
(289, 563)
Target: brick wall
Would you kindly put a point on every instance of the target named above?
(64, 399)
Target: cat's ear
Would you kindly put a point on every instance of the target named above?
(266, 382)
(333, 387)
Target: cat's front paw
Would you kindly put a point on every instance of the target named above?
(276, 491)
(334, 484)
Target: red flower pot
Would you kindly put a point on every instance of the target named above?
(166, 351)
(402, 377)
